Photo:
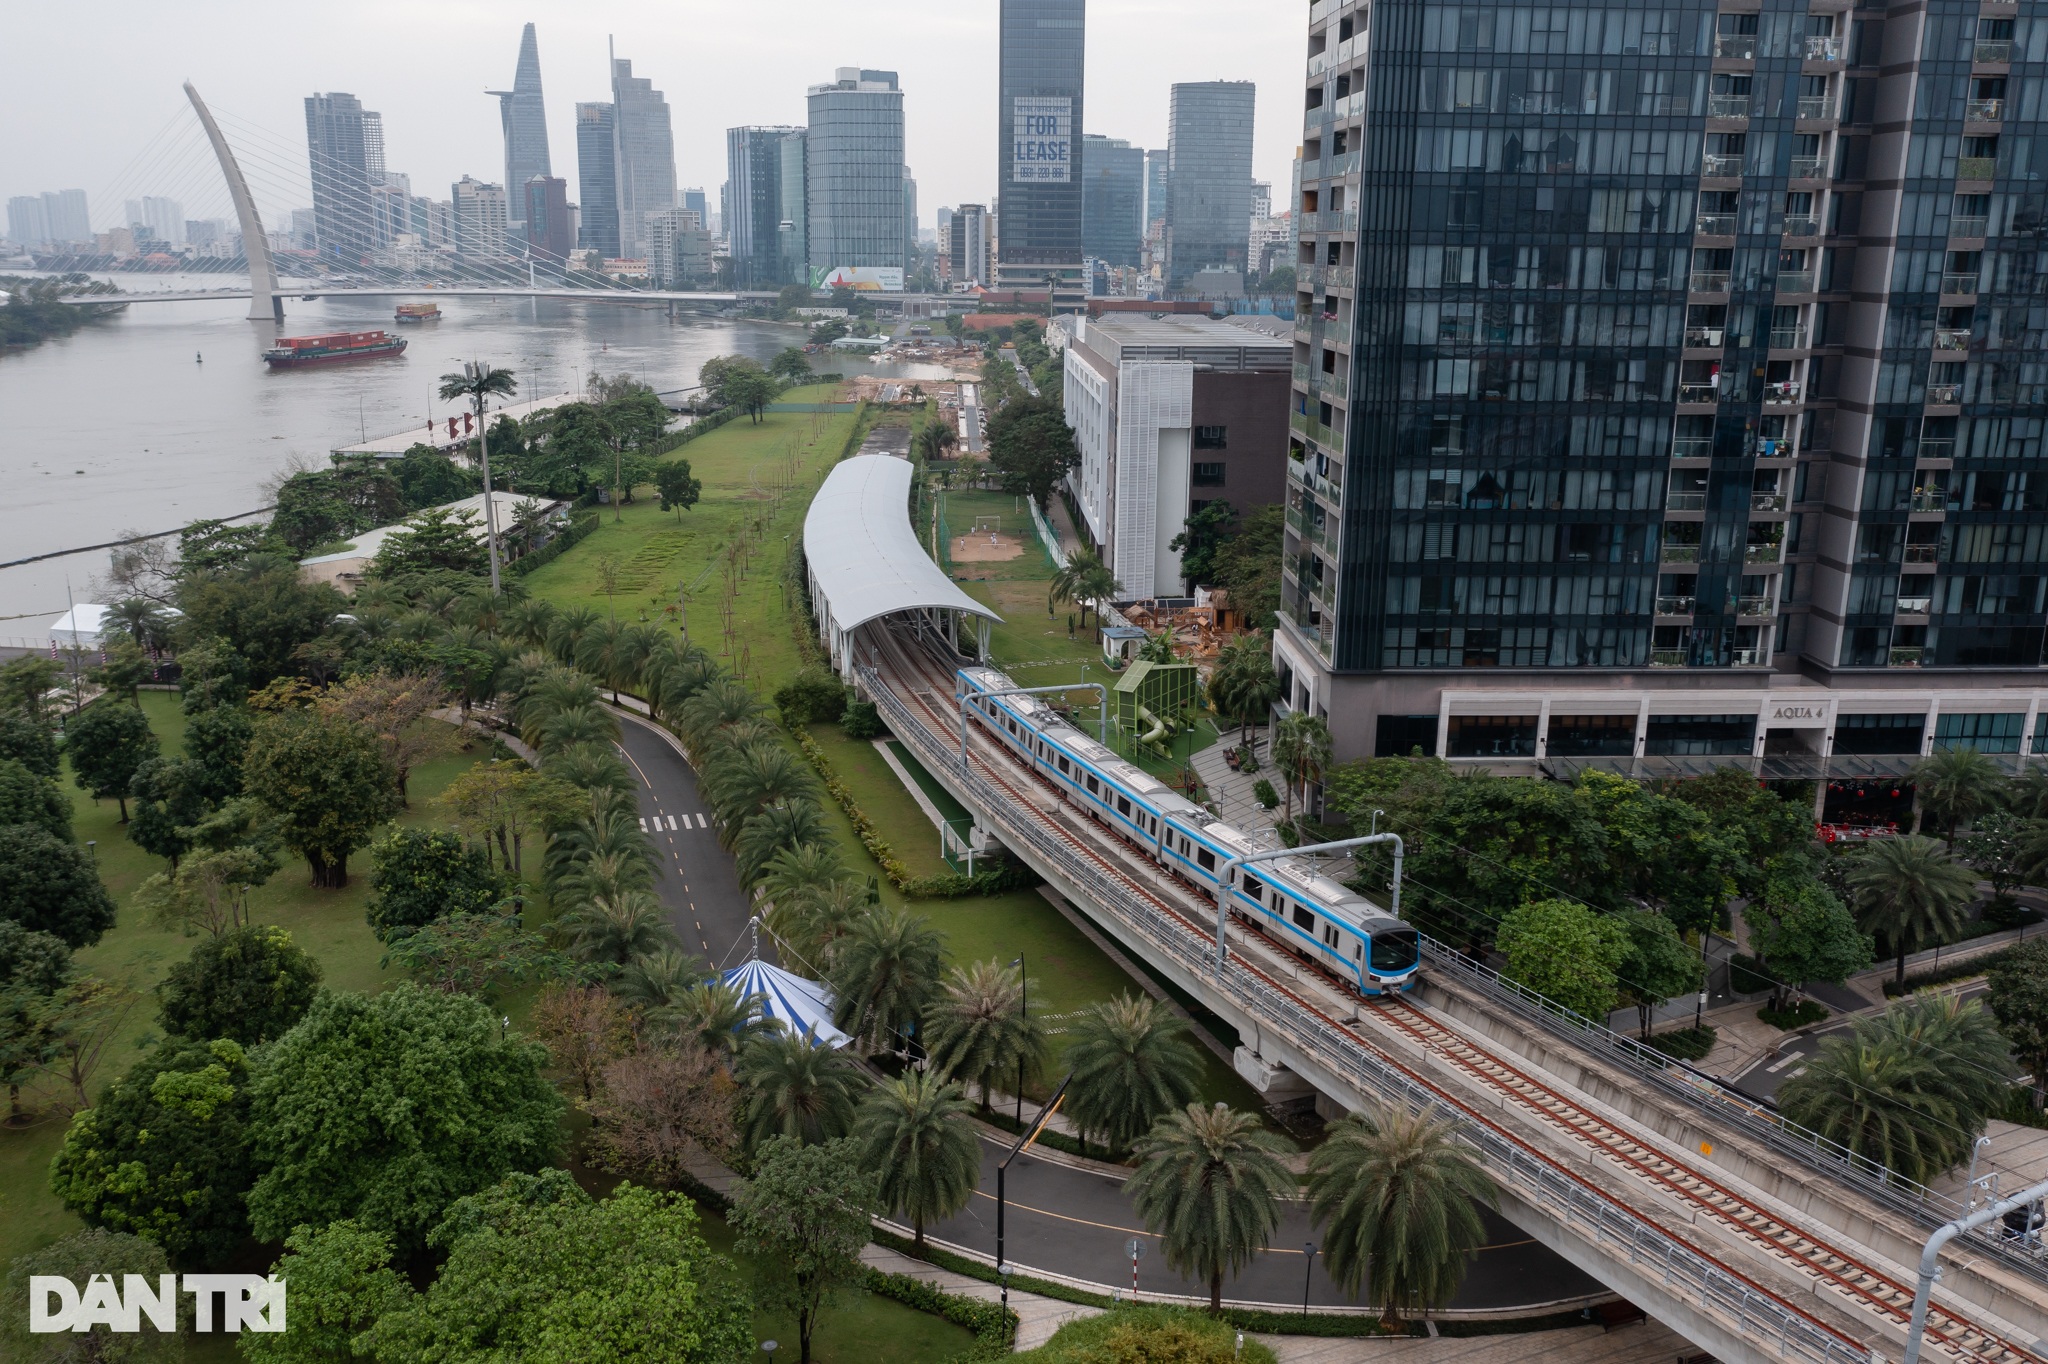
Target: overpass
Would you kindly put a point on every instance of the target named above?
(1747, 1237)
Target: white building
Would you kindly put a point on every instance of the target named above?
(481, 217)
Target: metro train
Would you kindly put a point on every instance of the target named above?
(1321, 920)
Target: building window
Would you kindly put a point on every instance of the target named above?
(1879, 734)
(1401, 735)
(1592, 736)
(1212, 438)
(1493, 736)
(1985, 733)
(1697, 735)
(1207, 475)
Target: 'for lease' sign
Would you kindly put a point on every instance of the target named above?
(1042, 140)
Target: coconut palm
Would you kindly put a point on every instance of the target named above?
(617, 930)
(977, 1028)
(658, 980)
(768, 831)
(718, 1017)
(1955, 785)
(883, 974)
(1301, 750)
(796, 1089)
(1244, 685)
(1909, 890)
(1132, 1062)
(1397, 1197)
(1209, 1183)
(566, 631)
(1976, 1064)
(723, 702)
(479, 382)
(141, 620)
(528, 621)
(828, 918)
(744, 779)
(592, 767)
(1081, 580)
(915, 1133)
(569, 728)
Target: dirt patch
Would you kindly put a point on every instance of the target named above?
(986, 548)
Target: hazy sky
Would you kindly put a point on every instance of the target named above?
(107, 79)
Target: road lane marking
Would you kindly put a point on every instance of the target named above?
(643, 823)
(1016, 1206)
(702, 822)
(1789, 1058)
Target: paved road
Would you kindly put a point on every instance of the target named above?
(698, 881)
(1764, 1078)
(1078, 1223)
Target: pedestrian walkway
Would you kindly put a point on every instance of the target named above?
(1232, 791)
(1644, 1342)
(1037, 1317)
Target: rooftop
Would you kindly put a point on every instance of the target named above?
(1217, 342)
(863, 554)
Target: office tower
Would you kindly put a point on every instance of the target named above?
(1262, 199)
(1038, 134)
(525, 122)
(942, 218)
(390, 210)
(597, 180)
(909, 217)
(967, 245)
(1156, 166)
(27, 223)
(545, 214)
(65, 216)
(645, 155)
(481, 217)
(853, 172)
(1209, 180)
(695, 200)
(1692, 430)
(373, 146)
(756, 207)
(337, 154)
(1112, 200)
(794, 231)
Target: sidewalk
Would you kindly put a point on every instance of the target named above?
(1231, 791)
(1037, 1317)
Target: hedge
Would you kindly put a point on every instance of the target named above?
(1948, 971)
(994, 1326)
(579, 526)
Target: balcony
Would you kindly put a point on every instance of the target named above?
(1802, 225)
(1685, 502)
(1710, 281)
(1968, 227)
(1782, 394)
(1942, 448)
(1816, 106)
(1930, 500)
(1944, 395)
(1808, 168)
(1788, 338)
(1705, 338)
(1676, 606)
(1764, 554)
(1906, 657)
(1915, 606)
(1984, 110)
(1767, 502)
(1743, 45)
(1698, 393)
(1976, 167)
(1923, 554)
(1824, 49)
(1951, 338)
(1754, 606)
(1993, 52)
(1716, 225)
(1692, 447)
(1680, 554)
(1747, 658)
(1795, 281)
(1727, 106)
(1667, 658)
(1959, 282)
(1720, 165)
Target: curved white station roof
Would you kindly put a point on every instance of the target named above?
(864, 555)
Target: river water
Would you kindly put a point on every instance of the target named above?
(166, 413)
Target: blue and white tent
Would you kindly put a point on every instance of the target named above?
(802, 1006)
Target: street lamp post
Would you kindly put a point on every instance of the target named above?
(1308, 1268)
(1004, 1271)
(1024, 1139)
(1025, 1013)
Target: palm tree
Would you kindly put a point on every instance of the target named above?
(569, 728)
(1910, 890)
(795, 1089)
(692, 672)
(591, 767)
(828, 918)
(794, 874)
(659, 980)
(977, 1029)
(1244, 685)
(751, 777)
(723, 702)
(1301, 750)
(1209, 1185)
(566, 631)
(611, 831)
(1132, 1063)
(884, 973)
(603, 876)
(549, 693)
(1084, 578)
(1955, 785)
(1976, 1063)
(478, 382)
(610, 652)
(915, 1132)
(770, 830)
(717, 1017)
(617, 930)
(1878, 1098)
(1397, 1196)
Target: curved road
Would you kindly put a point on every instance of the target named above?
(1061, 1219)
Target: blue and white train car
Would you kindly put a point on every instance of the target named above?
(1324, 922)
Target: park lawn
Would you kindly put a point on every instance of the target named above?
(744, 467)
(882, 797)
(328, 924)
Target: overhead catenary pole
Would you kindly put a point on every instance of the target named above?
(1930, 1258)
(1101, 717)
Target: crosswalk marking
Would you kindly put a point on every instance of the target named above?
(643, 824)
(702, 822)
(1787, 1060)
(671, 821)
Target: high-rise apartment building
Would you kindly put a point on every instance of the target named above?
(1669, 396)
(853, 169)
(1112, 200)
(1209, 179)
(545, 212)
(340, 158)
(597, 180)
(679, 249)
(481, 218)
(163, 219)
(525, 122)
(909, 216)
(27, 223)
(645, 156)
(967, 245)
(64, 213)
(756, 207)
(1038, 138)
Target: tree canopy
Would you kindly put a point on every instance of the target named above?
(327, 782)
(250, 984)
(1031, 447)
(51, 885)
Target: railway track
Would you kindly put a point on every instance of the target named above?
(918, 679)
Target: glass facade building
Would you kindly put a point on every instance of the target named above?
(1209, 179)
(340, 174)
(1112, 200)
(755, 206)
(1640, 351)
(644, 156)
(1039, 127)
(525, 121)
(853, 168)
(597, 181)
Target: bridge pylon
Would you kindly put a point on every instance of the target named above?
(266, 303)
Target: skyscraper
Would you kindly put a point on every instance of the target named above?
(525, 121)
(1692, 429)
(1039, 131)
(645, 155)
(1156, 165)
(545, 213)
(66, 216)
(794, 231)
(967, 245)
(1209, 179)
(1112, 200)
(341, 176)
(27, 223)
(909, 216)
(756, 207)
(694, 199)
(597, 180)
(853, 171)
(481, 215)
(164, 219)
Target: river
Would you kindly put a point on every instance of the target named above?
(166, 413)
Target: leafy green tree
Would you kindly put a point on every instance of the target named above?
(1031, 447)
(264, 614)
(26, 798)
(2019, 1001)
(1247, 565)
(34, 967)
(1909, 891)
(428, 478)
(433, 541)
(977, 1028)
(1210, 1183)
(26, 739)
(1567, 953)
(792, 364)
(676, 487)
(252, 985)
(106, 745)
(388, 1107)
(327, 783)
(884, 974)
(1996, 846)
(803, 1219)
(78, 1257)
(26, 682)
(1397, 1194)
(475, 954)
(915, 1132)
(795, 1088)
(815, 695)
(341, 1282)
(1803, 932)
(1660, 852)
(422, 875)
(211, 676)
(163, 1154)
(125, 670)
(1133, 1062)
(50, 885)
(169, 799)
(1201, 535)
(209, 890)
(1752, 822)
(1658, 967)
(1955, 785)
